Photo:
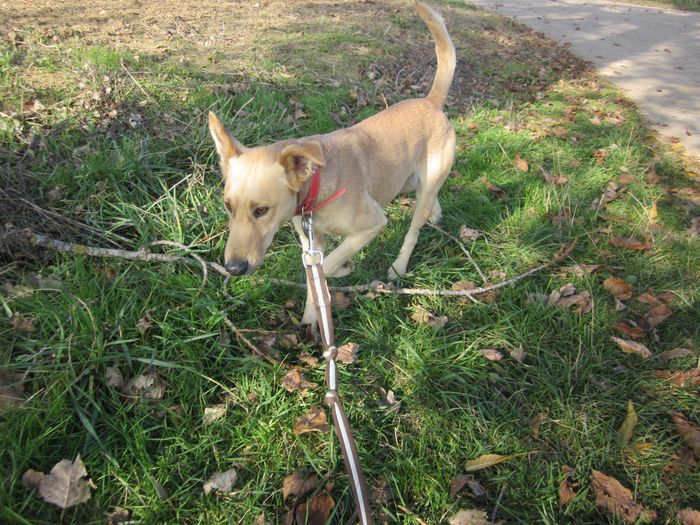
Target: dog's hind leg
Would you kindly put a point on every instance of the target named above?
(427, 206)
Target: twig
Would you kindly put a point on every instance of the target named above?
(245, 341)
(464, 249)
(138, 84)
(498, 502)
(379, 287)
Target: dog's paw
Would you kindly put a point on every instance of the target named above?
(343, 270)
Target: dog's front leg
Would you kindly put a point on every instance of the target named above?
(310, 316)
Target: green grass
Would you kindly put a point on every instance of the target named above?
(684, 5)
(156, 177)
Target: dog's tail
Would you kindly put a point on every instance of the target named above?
(444, 49)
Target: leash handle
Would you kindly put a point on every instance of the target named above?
(316, 279)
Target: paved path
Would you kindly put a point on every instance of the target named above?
(652, 53)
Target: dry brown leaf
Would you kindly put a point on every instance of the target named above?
(316, 511)
(145, 323)
(632, 347)
(22, 324)
(618, 287)
(536, 423)
(630, 243)
(567, 296)
(518, 354)
(492, 354)
(676, 353)
(11, 389)
(294, 381)
(114, 378)
(388, 400)
(694, 226)
(682, 460)
(118, 515)
(600, 156)
(471, 517)
(627, 428)
(298, 485)
(567, 490)
(340, 301)
(498, 192)
(422, 316)
(465, 480)
(308, 359)
(688, 432)
(313, 421)
(688, 517)
(680, 378)
(655, 317)
(463, 285)
(67, 484)
(54, 195)
(213, 413)
(521, 163)
(553, 179)
(220, 481)
(147, 386)
(630, 331)
(467, 234)
(348, 353)
(485, 461)
(612, 496)
(32, 478)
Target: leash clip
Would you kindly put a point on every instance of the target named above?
(313, 255)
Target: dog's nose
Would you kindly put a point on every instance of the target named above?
(237, 267)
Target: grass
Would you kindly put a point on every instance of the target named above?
(149, 172)
(684, 5)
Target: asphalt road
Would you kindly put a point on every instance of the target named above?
(651, 53)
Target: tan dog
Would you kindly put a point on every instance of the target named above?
(408, 146)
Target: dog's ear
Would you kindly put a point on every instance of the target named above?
(226, 145)
(298, 160)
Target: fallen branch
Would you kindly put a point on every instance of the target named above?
(36, 239)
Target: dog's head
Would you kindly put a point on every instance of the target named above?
(261, 189)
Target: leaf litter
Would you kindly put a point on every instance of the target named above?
(567, 488)
(632, 347)
(627, 428)
(612, 496)
(220, 482)
(299, 485)
(65, 486)
(314, 420)
(11, 389)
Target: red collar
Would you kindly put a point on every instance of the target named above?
(308, 205)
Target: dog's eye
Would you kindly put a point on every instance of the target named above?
(260, 211)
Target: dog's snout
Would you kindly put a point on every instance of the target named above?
(237, 267)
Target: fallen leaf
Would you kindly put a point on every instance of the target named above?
(467, 234)
(682, 460)
(627, 428)
(466, 480)
(118, 515)
(260, 519)
(485, 461)
(114, 378)
(536, 423)
(553, 179)
(688, 432)
(495, 190)
(424, 317)
(313, 421)
(316, 511)
(66, 485)
(676, 353)
(518, 354)
(630, 331)
(566, 488)
(298, 485)
(688, 517)
(340, 301)
(630, 243)
(567, 296)
(492, 354)
(611, 192)
(348, 353)
(388, 400)
(618, 287)
(680, 378)
(148, 386)
(145, 323)
(22, 324)
(694, 226)
(32, 479)
(294, 381)
(11, 389)
(220, 481)
(463, 285)
(470, 517)
(655, 317)
(308, 359)
(600, 156)
(290, 341)
(521, 163)
(213, 413)
(632, 347)
(612, 496)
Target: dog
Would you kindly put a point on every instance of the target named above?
(356, 171)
